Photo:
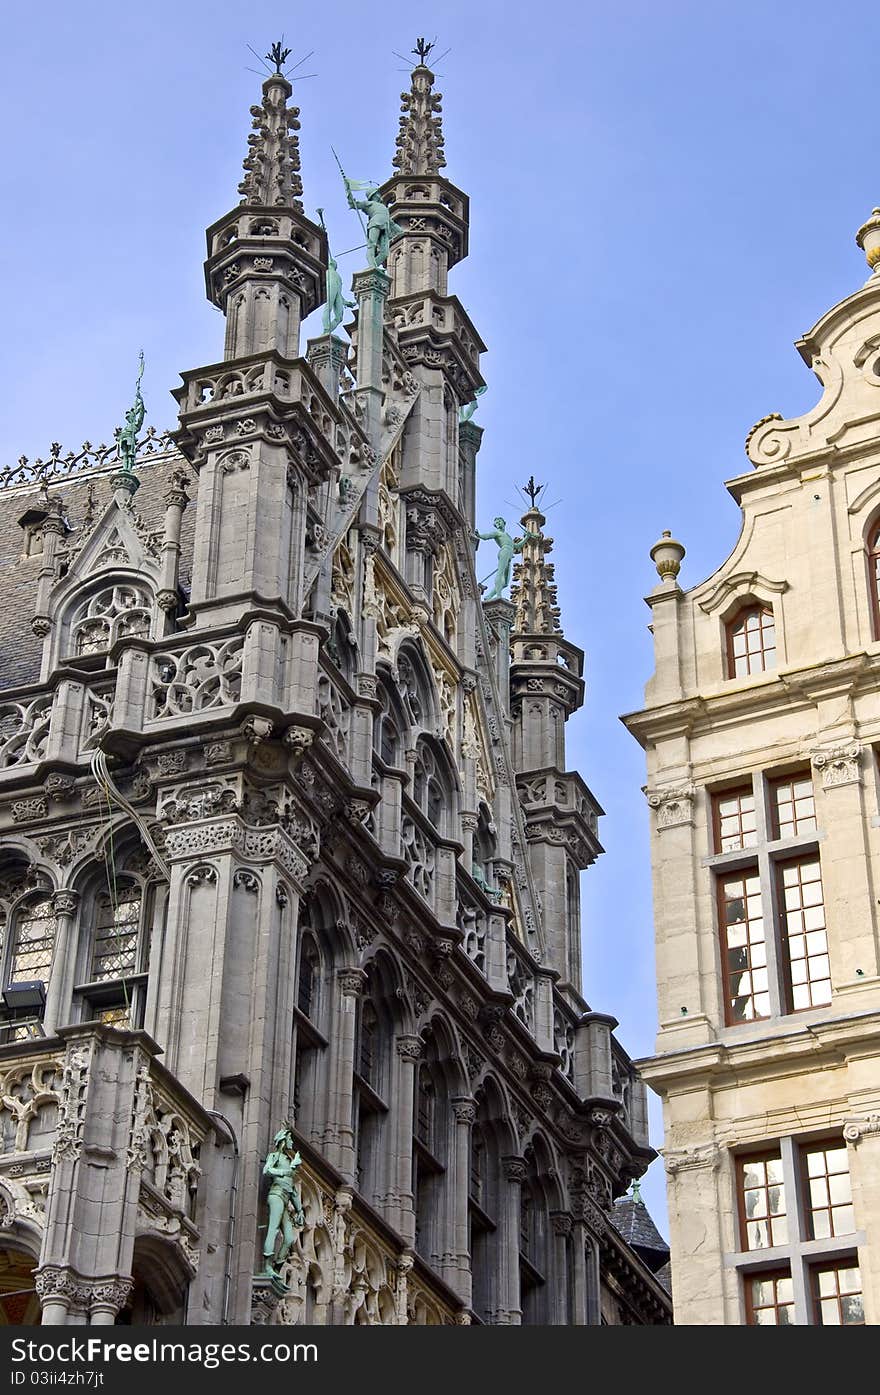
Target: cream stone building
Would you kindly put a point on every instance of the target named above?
(761, 727)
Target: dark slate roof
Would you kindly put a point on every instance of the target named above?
(664, 1276)
(632, 1220)
(20, 649)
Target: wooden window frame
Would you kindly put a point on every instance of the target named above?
(763, 1275)
(833, 1267)
(784, 937)
(814, 1145)
(763, 611)
(721, 879)
(776, 784)
(742, 1160)
(734, 792)
(872, 562)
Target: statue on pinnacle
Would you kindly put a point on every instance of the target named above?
(507, 547)
(336, 303)
(126, 436)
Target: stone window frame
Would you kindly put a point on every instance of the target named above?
(764, 856)
(91, 997)
(872, 569)
(16, 1026)
(801, 1256)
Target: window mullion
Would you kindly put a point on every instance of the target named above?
(794, 1208)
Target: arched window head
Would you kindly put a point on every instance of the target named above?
(751, 640)
(341, 645)
(112, 974)
(873, 559)
(388, 725)
(431, 787)
(115, 612)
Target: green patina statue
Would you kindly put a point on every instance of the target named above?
(126, 436)
(381, 227)
(507, 546)
(465, 413)
(335, 304)
(284, 1200)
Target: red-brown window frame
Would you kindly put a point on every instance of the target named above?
(763, 610)
(734, 792)
(783, 1272)
(750, 870)
(810, 1145)
(789, 779)
(783, 936)
(832, 1266)
(766, 1155)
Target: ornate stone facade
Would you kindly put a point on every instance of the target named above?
(761, 728)
(265, 851)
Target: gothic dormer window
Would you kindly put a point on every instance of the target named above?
(119, 611)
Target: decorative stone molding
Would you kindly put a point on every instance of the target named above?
(27, 810)
(256, 729)
(839, 765)
(59, 787)
(410, 1048)
(266, 1293)
(204, 875)
(514, 1169)
(464, 1111)
(687, 1159)
(562, 1222)
(246, 880)
(674, 807)
(218, 753)
(72, 1104)
(351, 982)
(854, 1130)
(231, 835)
(298, 739)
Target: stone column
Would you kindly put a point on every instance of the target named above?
(561, 1228)
(338, 1131)
(409, 1052)
(469, 437)
(176, 500)
(64, 904)
(464, 1113)
(327, 354)
(509, 1310)
(371, 288)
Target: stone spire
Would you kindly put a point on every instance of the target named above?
(534, 586)
(420, 139)
(271, 166)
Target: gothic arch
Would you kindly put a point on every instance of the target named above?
(416, 686)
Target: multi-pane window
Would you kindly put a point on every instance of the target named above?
(794, 808)
(741, 918)
(770, 1299)
(802, 917)
(828, 1190)
(762, 1200)
(874, 576)
(837, 1294)
(796, 1217)
(751, 642)
(117, 928)
(33, 942)
(735, 819)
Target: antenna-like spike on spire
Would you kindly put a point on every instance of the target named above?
(420, 138)
(271, 166)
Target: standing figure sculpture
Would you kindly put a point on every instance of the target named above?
(335, 304)
(507, 546)
(126, 436)
(284, 1200)
(381, 227)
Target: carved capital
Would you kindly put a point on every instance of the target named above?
(65, 902)
(409, 1048)
(59, 787)
(351, 982)
(515, 1169)
(854, 1130)
(687, 1159)
(464, 1110)
(839, 765)
(298, 739)
(673, 807)
(562, 1222)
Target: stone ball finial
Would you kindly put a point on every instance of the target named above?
(868, 238)
(667, 556)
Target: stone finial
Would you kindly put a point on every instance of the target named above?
(868, 238)
(667, 556)
(420, 138)
(271, 166)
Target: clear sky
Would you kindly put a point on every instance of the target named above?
(663, 197)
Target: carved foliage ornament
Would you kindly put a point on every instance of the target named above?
(673, 807)
(839, 765)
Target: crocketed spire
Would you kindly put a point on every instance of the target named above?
(534, 587)
(271, 166)
(420, 138)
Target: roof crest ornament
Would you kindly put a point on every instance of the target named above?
(420, 138)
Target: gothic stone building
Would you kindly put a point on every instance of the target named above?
(762, 731)
(287, 833)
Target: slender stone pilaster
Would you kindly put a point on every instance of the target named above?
(371, 288)
(509, 1310)
(327, 354)
(64, 904)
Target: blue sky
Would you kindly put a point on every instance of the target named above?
(663, 197)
